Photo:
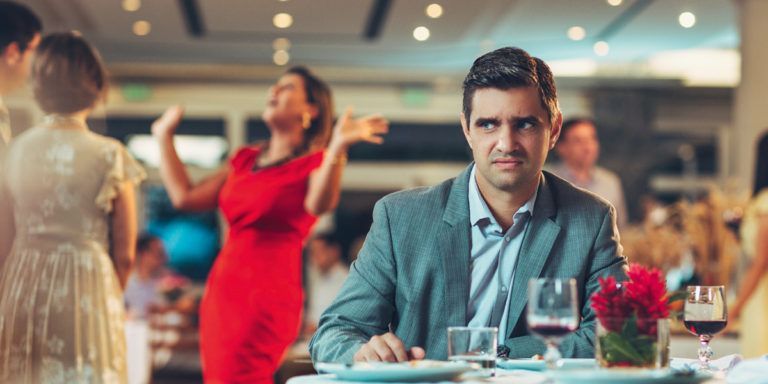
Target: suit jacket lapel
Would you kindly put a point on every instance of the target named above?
(453, 238)
(534, 252)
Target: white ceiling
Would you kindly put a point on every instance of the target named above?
(330, 34)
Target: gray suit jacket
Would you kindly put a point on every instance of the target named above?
(412, 274)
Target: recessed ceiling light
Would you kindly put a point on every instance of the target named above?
(282, 20)
(281, 44)
(421, 33)
(434, 10)
(281, 57)
(142, 28)
(687, 19)
(615, 3)
(576, 33)
(131, 5)
(601, 48)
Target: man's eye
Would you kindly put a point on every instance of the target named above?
(488, 125)
(526, 125)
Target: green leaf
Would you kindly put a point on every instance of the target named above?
(616, 349)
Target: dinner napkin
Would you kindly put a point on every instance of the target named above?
(725, 363)
(752, 371)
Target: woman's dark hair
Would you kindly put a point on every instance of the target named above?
(319, 94)
(761, 168)
(67, 74)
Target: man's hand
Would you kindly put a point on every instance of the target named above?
(388, 347)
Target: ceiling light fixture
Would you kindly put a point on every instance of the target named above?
(281, 44)
(131, 5)
(421, 33)
(601, 48)
(576, 33)
(434, 10)
(142, 28)
(282, 20)
(281, 57)
(615, 3)
(687, 19)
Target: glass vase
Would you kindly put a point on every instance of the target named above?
(632, 343)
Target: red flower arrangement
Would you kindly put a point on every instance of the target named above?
(629, 314)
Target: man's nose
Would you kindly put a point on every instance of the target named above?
(507, 139)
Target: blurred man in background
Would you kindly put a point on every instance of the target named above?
(579, 149)
(19, 36)
(325, 276)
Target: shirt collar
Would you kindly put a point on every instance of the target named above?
(478, 209)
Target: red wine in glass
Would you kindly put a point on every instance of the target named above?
(699, 328)
(547, 331)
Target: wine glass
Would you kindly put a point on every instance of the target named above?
(552, 314)
(705, 315)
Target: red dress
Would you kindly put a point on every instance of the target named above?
(251, 309)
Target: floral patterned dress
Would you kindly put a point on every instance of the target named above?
(61, 308)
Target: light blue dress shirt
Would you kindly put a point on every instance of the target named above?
(493, 258)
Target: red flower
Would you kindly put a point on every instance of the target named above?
(609, 304)
(644, 295)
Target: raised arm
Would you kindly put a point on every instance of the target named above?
(183, 194)
(7, 226)
(124, 231)
(325, 182)
(757, 270)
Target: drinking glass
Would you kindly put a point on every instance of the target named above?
(705, 315)
(553, 313)
(474, 345)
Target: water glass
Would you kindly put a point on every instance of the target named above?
(474, 345)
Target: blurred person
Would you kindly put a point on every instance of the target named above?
(72, 195)
(141, 291)
(19, 36)
(579, 148)
(325, 276)
(751, 305)
(461, 253)
(271, 194)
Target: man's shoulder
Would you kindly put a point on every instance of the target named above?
(606, 175)
(420, 196)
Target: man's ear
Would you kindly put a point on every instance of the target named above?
(465, 129)
(11, 54)
(555, 133)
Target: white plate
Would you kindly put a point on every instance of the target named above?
(426, 370)
(540, 365)
(626, 376)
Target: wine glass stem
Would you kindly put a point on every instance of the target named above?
(705, 352)
(552, 356)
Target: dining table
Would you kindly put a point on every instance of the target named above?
(578, 375)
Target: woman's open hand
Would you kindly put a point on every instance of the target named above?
(349, 131)
(165, 126)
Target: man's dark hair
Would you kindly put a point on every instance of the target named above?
(330, 239)
(144, 241)
(570, 123)
(18, 24)
(511, 67)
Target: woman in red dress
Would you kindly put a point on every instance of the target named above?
(270, 195)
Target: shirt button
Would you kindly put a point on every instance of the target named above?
(503, 288)
(507, 239)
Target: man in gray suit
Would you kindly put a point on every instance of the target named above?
(462, 252)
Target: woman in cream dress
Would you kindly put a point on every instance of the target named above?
(752, 304)
(72, 192)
